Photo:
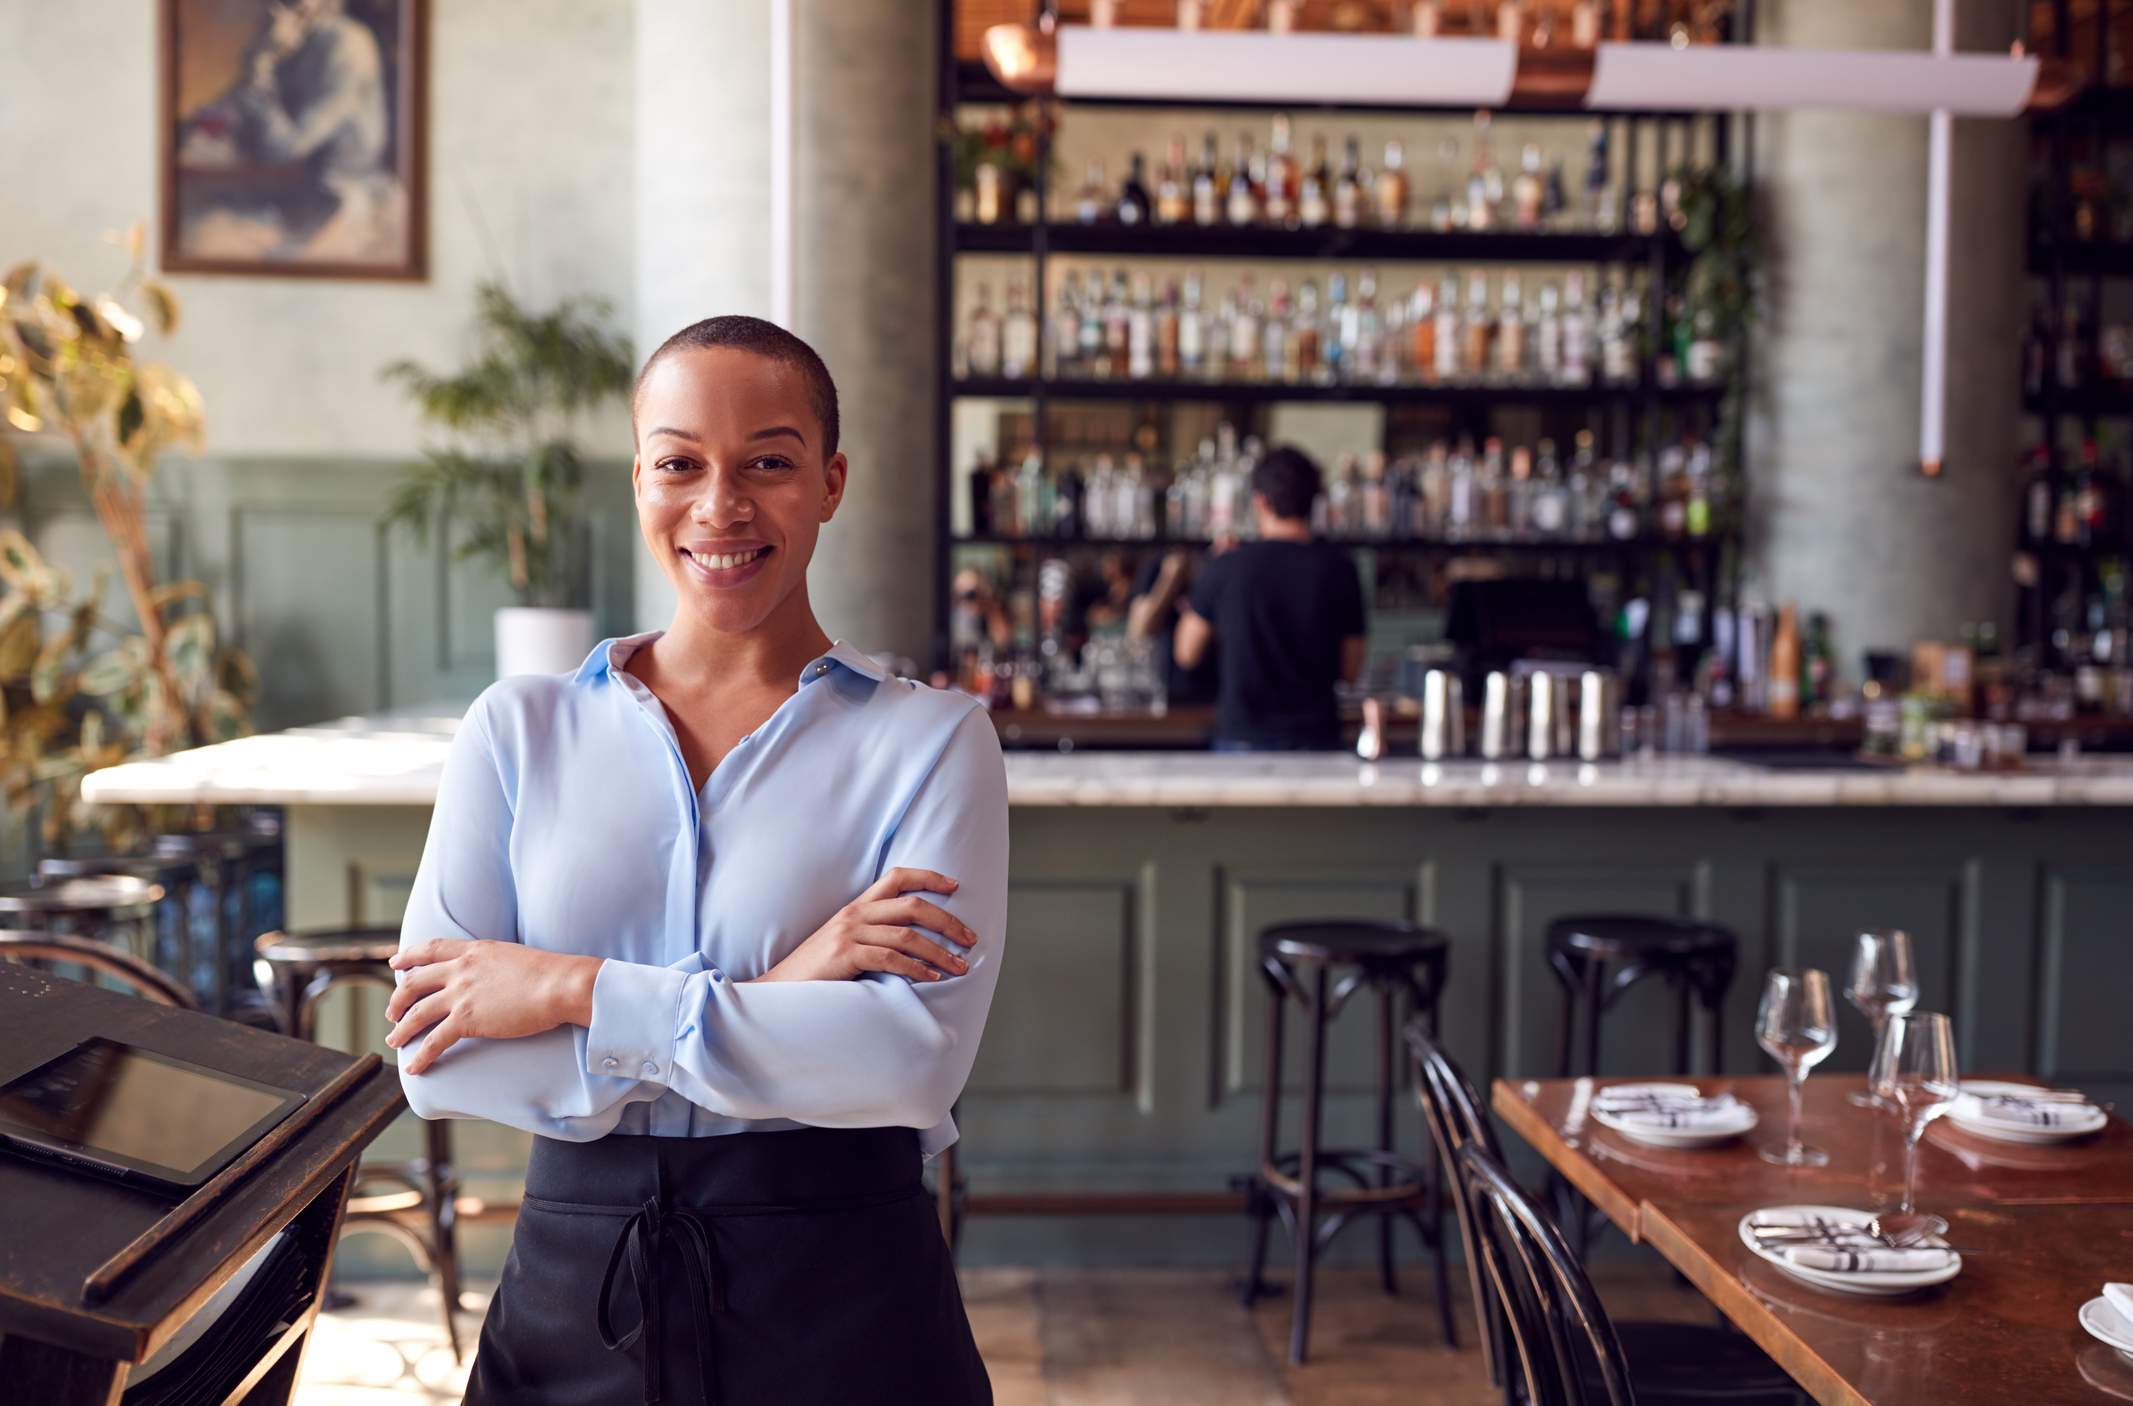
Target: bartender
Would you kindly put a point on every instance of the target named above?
(1288, 612)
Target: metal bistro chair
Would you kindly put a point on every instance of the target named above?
(1523, 1338)
(415, 1202)
(44, 948)
(1598, 956)
(1567, 1350)
(1296, 959)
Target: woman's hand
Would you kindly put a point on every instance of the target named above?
(874, 933)
(457, 987)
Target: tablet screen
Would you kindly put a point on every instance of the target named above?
(108, 1098)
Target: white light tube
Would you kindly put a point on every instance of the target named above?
(1232, 65)
(1933, 383)
(1740, 77)
(782, 185)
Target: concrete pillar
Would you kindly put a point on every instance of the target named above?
(1840, 518)
(864, 279)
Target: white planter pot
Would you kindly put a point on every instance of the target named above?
(531, 640)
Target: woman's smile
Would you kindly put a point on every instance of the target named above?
(725, 563)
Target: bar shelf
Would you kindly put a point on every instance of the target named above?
(1262, 392)
(1324, 242)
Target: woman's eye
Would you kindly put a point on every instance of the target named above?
(675, 466)
(776, 463)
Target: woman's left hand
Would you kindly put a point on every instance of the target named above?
(460, 987)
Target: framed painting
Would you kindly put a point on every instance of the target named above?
(293, 138)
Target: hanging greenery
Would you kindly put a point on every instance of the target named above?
(514, 476)
(80, 690)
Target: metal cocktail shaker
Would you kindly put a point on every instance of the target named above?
(1503, 716)
(1443, 716)
(1550, 716)
(1599, 715)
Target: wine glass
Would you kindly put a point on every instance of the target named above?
(1883, 982)
(1914, 1074)
(1797, 1026)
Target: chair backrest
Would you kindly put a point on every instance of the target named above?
(1456, 1119)
(1562, 1339)
(145, 980)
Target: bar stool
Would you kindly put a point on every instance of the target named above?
(1296, 960)
(184, 937)
(1696, 958)
(48, 947)
(415, 1202)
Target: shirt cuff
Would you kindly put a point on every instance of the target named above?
(636, 1012)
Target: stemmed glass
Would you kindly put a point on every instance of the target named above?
(1796, 1026)
(1883, 982)
(1915, 1074)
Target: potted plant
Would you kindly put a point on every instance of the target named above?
(514, 471)
(80, 689)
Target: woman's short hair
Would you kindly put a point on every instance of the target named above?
(765, 339)
(1288, 480)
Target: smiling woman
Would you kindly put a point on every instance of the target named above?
(669, 920)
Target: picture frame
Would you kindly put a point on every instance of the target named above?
(294, 138)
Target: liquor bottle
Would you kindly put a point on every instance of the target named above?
(1281, 178)
(1510, 331)
(1207, 186)
(1377, 497)
(1274, 334)
(1166, 332)
(1243, 197)
(1474, 356)
(1089, 205)
(1030, 518)
(1134, 206)
(1089, 338)
(1117, 327)
(1702, 489)
(1192, 330)
(1617, 351)
(1555, 205)
(1365, 357)
(1314, 200)
(1348, 195)
(979, 487)
(1448, 333)
(1624, 515)
(1673, 492)
(1519, 493)
(2073, 349)
(1577, 331)
(1064, 335)
(1818, 664)
(1140, 331)
(1244, 346)
(1599, 210)
(1304, 335)
(1460, 515)
(1098, 496)
(984, 343)
(1784, 676)
(1491, 490)
(1330, 514)
(1706, 355)
(1392, 189)
(1588, 490)
(1528, 189)
(1484, 184)
(1173, 189)
(1548, 336)
(1551, 496)
(2037, 498)
(1435, 494)
(1333, 366)
(1422, 331)
(1214, 365)
(1018, 333)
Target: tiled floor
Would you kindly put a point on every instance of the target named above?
(1071, 1337)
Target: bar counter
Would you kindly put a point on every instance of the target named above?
(1121, 1066)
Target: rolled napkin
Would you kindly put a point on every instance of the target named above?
(2120, 1298)
(1668, 1110)
(2017, 1111)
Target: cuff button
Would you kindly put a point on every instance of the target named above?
(650, 1068)
(608, 1063)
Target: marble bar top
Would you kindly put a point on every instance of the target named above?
(395, 759)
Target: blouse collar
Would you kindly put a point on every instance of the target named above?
(608, 657)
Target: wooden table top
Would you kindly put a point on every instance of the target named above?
(2057, 1221)
(59, 1226)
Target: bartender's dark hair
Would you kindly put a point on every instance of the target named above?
(1289, 481)
(765, 339)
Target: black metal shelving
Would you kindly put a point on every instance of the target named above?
(1626, 408)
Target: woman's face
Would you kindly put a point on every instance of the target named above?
(732, 486)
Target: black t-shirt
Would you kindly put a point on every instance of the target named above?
(1280, 611)
(1184, 686)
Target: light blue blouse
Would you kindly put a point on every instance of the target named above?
(565, 820)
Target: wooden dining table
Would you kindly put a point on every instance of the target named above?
(2053, 1223)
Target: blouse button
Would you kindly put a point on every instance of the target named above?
(650, 1068)
(609, 1062)
(822, 668)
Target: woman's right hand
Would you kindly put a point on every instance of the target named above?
(877, 932)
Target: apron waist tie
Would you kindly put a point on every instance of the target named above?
(643, 1239)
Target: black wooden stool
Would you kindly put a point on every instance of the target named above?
(118, 910)
(1296, 960)
(1696, 958)
(414, 1202)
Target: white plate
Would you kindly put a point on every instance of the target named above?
(1883, 1283)
(2012, 1132)
(2105, 1325)
(1670, 1137)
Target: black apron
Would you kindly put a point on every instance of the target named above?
(754, 1269)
